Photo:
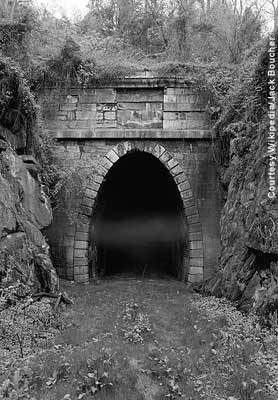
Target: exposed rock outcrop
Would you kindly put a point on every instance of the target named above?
(24, 212)
(248, 270)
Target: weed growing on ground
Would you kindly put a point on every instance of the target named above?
(157, 342)
(17, 387)
(136, 324)
(27, 325)
(93, 381)
(243, 354)
(160, 368)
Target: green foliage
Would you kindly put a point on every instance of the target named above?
(61, 184)
(16, 32)
(248, 99)
(183, 31)
(245, 104)
(43, 146)
(71, 67)
(18, 110)
(119, 37)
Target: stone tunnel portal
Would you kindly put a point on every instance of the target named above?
(139, 224)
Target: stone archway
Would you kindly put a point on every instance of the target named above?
(195, 237)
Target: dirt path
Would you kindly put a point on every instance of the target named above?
(154, 339)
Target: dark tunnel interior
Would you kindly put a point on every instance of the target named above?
(138, 223)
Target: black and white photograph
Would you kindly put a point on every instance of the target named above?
(138, 200)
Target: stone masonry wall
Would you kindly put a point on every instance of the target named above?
(89, 122)
(195, 159)
(126, 111)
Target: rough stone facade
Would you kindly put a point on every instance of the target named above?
(95, 127)
(24, 212)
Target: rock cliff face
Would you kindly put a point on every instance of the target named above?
(24, 212)
(248, 268)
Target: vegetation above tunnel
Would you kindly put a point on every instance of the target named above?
(214, 45)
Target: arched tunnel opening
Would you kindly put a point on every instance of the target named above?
(138, 223)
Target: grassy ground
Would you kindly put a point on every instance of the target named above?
(127, 339)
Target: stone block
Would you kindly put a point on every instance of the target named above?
(88, 202)
(67, 107)
(196, 261)
(195, 236)
(94, 186)
(177, 124)
(98, 178)
(106, 164)
(82, 227)
(84, 115)
(68, 241)
(112, 156)
(102, 95)
(188, 203)
(196, 253)
(139, 145)
(71, 99)
(176, 170)
(129, 145)
(187, 194)
(195, 116)
(184, 186)
(170, 98)
(69, 254)
(80, 124)
(81, 244)
(140, 95)
(179, 90)
(80, 270)
(172, 163)
(198, 244)
(139, 115)
(106, 124)
(197, 124)
(193, 210)
(71, 115)
(90, 193)
(110, 115)
(80, 253)
(158, 151)
(106, 107)
(82, 236)
(174, 115)
(120, 149)
(195, 278)
(194, 228)
(80, 261)
(61, 113)
(179, 178)
(85, 210)
(196, 270)
(165, 157)
(87, 107)
(193, 219)
(84, 278)
(148, 147)
(102, 168)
